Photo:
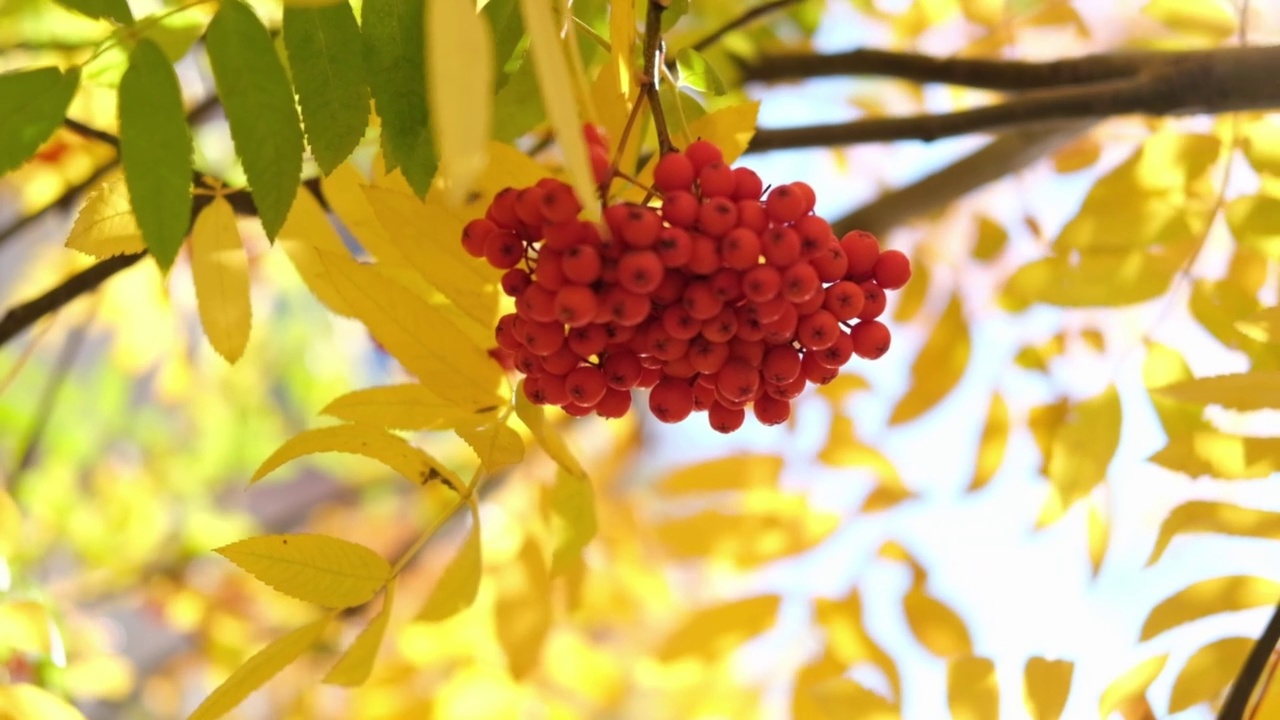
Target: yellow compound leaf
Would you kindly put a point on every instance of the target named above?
(220, 268)
(935, 625)
(571, 504)
(1099, 530)
(1209, 672)
(939, 366)
(21, 701)
(459, 94)
(370, 441)
(1045, 686)
(1199, 516)
(1213, 20)
(1209, 597)
(972, 691)
(847, 638)
(992, 237)
(714, 631)
(523, 609)
(554, 80)
(328, 571)
(496, 444)
(356, 664)
(405, 407)
(1082, 448)
(1129, 690)
(991, 448)
(344, 192)
(106, 225)
(456, 589)
(1256, 390)
(736, 472)
(307, 226)
(257, 670)
(534, 417)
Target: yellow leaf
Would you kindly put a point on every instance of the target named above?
(369, 441)
(972, 691)
(847, 638)
(612, 96)
(220, 268)
(935, 625)
(1082, 448)
(344, 190)
(496, 444)
(1262, 144)
(1267, 701)
(456, 589)
(736, 472)
(1038, 357)
(1046, 684)
(405, 407)
(320, 569)
(843, 449)
(571, 505)
(416, 334)
(995, 438)
(523, 609)
(1209, 597)
(1212, 517)
(911, 298)
(106, 225)
(459, 94)
(1263, 326)
(731, 128)
(992, 238)
(1078, 155)
(939, 366)
(1131, 687)
(1097, 278)
(307, 226)
(1221, 455)
(1209, 672)
(622, 40)
(355, 665)
(1256, 390)
(21, 701)
(10, 527)
(554, 80)
(257, 670)
(25, 627)
(1099, 530)
(1212, 19)
(534, 417)
(845, 699)
(714, 631)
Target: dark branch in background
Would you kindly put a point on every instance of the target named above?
(83, 130)
(742, 20)
(649, 83)
(1214, 81)
(1237, 701)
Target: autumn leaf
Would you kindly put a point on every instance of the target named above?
(307, 227)
(496, 443)
(534, 417)
(356, 663)
(781, 526)
(460, 94)
(846, 699)
(19, 701)
(736, 472)
(1199, 516)
(1255, 390)
(936, 626)
(1209, 597)
(408, 406)
(1046, 684)
(220, 269)
(1130, 688)
(456, 588)
(972, 691)
(1209, 672)
(939, 366)
(713, 631)
(413, 463)
(523, 609)
(991, 446)
(106, 226)
(1098, 528)
(319, 569)
(847, 637)
(1081, 452)
(257, 670)
(570, 503)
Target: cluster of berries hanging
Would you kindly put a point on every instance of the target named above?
(719, 298)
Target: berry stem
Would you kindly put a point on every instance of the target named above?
(635, 181)
(626, 136)
(649, 83)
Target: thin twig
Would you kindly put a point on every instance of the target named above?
(745, 18)
(649, 83)
(1242, 689)
(92, 133)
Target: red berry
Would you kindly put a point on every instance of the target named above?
(831, 262)
(771, 411)
(870, 339)
(640, 271)
(717, 216)
(781, 364)
(701, 301)
(737, 380)
(784, 204)
(715, 180)
(595, 135)
(649, 377)
(475, 234)
(892, 269)
(814, 303)
(780, 246)
(671, 400)
(740, 248)
(581, 264)
(573, 409)
(588, 340)
(639, 226)
(671, 289)
(674, 247)
(614, 404)
(761, 283)
(806, 194)
(702, 153)
(678, 323)
(800, 282)
(549, 272)
(746, 184)
(664, 346)
(817, 330)
(815, 372)
(782, 329)
(529, 206)
(679, 368)
(844, 300)
(752, 216)
(560, 204)
(674, 171)
(814, 234)
(707, 356)
(680, 209)
(561, 361)
(721, 327)
(502, 210)
(553, 389)
(787, 391)
(838, 353)
(515, 281)
(585, 385)
(563, 235)
(503, 249)
(543, 338)
(625, 307)
(862, 249)
(621, 369)
(727, 284)
(874, 301)
(600, 165)
(537, 304)
(507, 333)
(704, 258)
(725, 419)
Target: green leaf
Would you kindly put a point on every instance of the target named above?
(325, 56)
(676, 9)
(395, 58)
(255, 91)
(116, 10)
(32, 105)
(508, 31)
(156, 149)
(521, 104)
(697, 73)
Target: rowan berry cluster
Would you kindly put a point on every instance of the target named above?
(719, 298)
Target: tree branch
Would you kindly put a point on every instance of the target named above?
(1237, 701)
(744, 19)
(653, 46)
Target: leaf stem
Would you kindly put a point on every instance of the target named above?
(466, 496)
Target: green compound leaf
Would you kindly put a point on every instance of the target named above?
(117, 10)
(395, 59)
(32, 105)
(156, 149)
(327, 61)
(258, 99)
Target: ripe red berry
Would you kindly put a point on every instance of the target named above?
(671, 400)
(814, 234)
(561, 236)
(561, 361)
(806, 194)
(614, 404)
(475, 234)
(761, 283)
(781, 364)
(701, 301)
(549, 272)
(737, 380)
(543, 338)
(771, 411)
(706, 356)
(664, 346)
(717, 216)
(529, 206)
(503, 249)
(671, 289)
(780, 246)
(800, 282)
(585, 385)
(559, 203)
(715, 180)
(704, 396)
(844, 299)
(640, 271)
(581, 264)
(625, 307)
(595, 135)
(680, 209)
(862, 249)
(740, 248)
(553, 388)
(702, 153)
(621, 369)
(721, 327)
(787, 391)
(639, 226)
(874, 301)
(537, 304)
(870, 339)
(752, 216)
(746, 184)
(674, 171)
(515, 281)
(727, 284)
(600, 165)
(725, 419)
(588, 340)
(679, 368)
(815, 372)
(749, 351)
(674, 247)
(892, 269)
(704, 258)
(831, 263)
(649, 377)
(784, 204)
(507, 333)
(817, 330)
(502, 210)
(678, 323)
(836, 354)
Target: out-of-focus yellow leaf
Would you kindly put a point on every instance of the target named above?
(1255, 222)
(1077, 155)
(459, 94)
(1045, 686)
(344, 192)
(1044, 421)
(414, 463)
(736, 472)
(935, 625)
(408, 406)
(24, 627)
(939, 366)
(495, 443)
(843, 449)
(1267, 702)
(571, 506)
(21, 701)
(257, 670)
(622, 39)
(613, 96)
(355, 665)
(106, 225)
(1209, 597)
(534, 417)
(847, 637)
(1247, 270)
(780, 528)
(1256, 390)
(308, 226)
(328, 571)
(972, 691)
(1220, 455)
(554, 80)
(10, 524)
(100, 677)
(1128, 691)
(220, 269)
(995, 438)
(1166, 366)
(1214, 20)
(1261, 144)
(1263, 326)
(456, 589)
(1081, 452)
(1097, 278)
(1038, 357)
(523, 609)
(1218, 306)
(1208, 672)
(840, 389)
(911, 298)
(713, 631)
(1200, 516)
(992, 237)
(844, 699)
(1099, 530)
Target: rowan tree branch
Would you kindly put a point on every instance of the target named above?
(742, 20)
(649, 82)
(1237, 702)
